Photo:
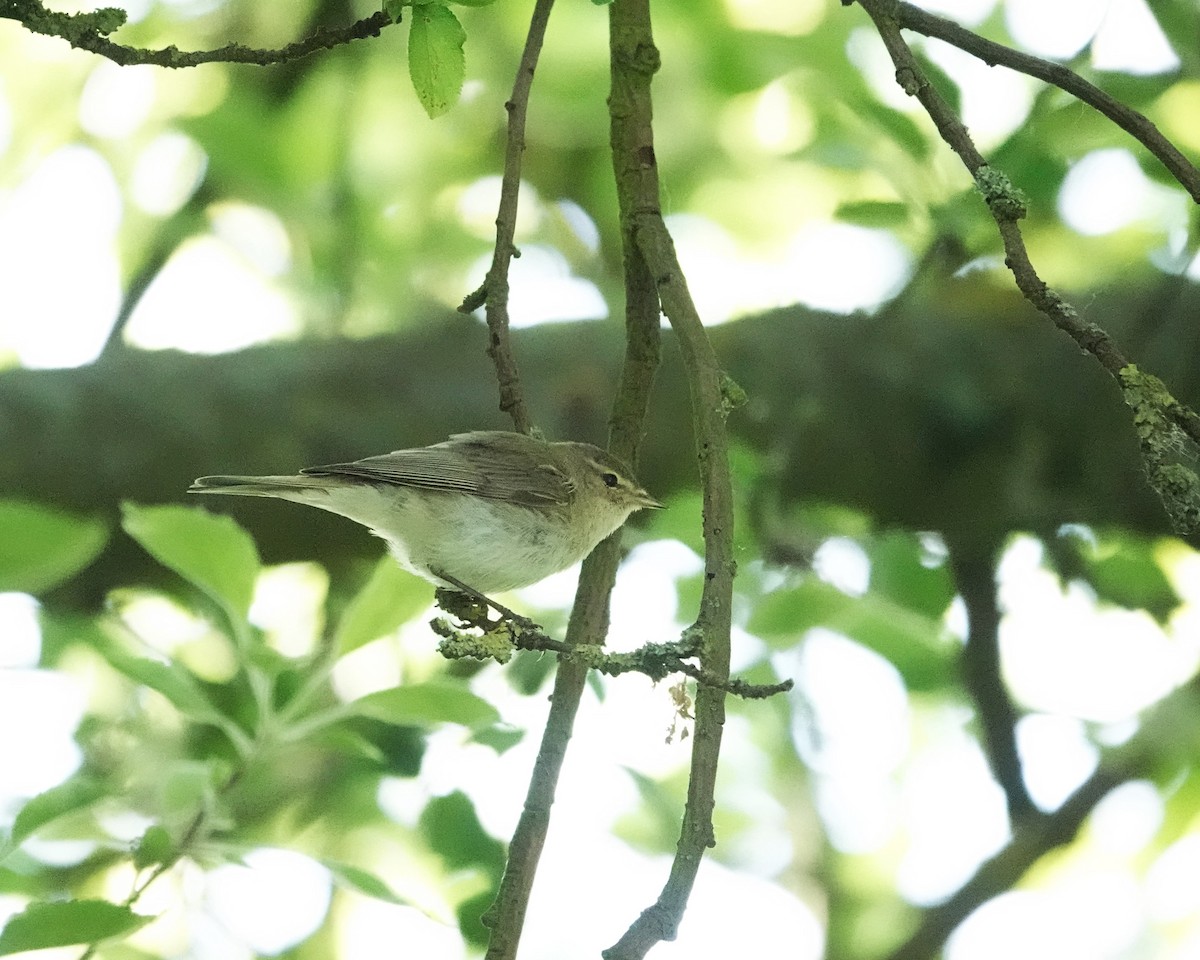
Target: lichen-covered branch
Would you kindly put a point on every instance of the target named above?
(498, 640)
(88, 31)
(1166, 453)
(1007, 206)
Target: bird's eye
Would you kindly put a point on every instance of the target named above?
(610, 479)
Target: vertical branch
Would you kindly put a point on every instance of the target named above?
(493, 294)
(588, 625)
(589, 615)
(650, 259)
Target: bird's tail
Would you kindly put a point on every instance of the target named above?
(284, 487)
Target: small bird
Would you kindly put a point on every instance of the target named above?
(484, 512)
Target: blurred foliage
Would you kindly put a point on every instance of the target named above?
(210, 730)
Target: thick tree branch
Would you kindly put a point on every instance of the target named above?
(87, 31)
(992, 53)
(493, 293)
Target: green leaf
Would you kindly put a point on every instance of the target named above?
(912, 641)
(786, 614)
(500, 739)
(470, 913)
(395, 9)
(212, 552)
(902, 572)
(187, 786)
(427, 704)
(873, 213)
(452, 829)
(1123, 569)
(171, 679)
(1180, 21)
(40, 547)
(473, 3)
(155, 846)
(54, 803)
(352, 744)
(435, 57)
(391, 597)
(680, 521)
(360, 881)
(67, 922)
(901, 128)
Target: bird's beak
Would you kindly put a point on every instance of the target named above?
(645, 500)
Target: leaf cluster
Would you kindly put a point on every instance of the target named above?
(220, 765)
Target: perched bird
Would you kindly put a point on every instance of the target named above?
(486, 511)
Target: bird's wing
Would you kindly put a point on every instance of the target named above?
(461, 465)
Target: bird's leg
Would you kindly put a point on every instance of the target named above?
(474, 594)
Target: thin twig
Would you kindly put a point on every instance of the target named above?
(589, 615)
(87, 32)
(657, 661)
(167, 240)
(1135, 124)
(493, 293)
(191, 835)
(588, 626)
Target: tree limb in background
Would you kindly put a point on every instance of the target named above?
(169, 237)
(493, 293)
(992, 53)
(975, 576)
(1034, 838)
(1178, 486)
(635, 59)
(87, 31)
(1174, 719)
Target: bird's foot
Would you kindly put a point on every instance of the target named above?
(471, 606)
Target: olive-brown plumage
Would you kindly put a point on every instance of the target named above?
(491, 509)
